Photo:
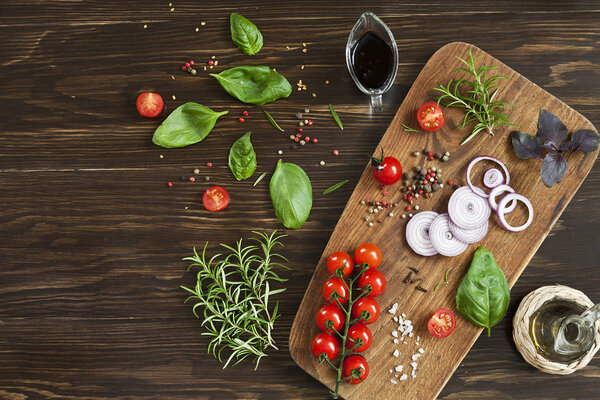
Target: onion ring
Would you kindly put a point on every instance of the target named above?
(492, 178)
(469, 235)
(467, 209)
(502, 205)
(417, 233)
(497, 191)
(442, 238)
(480, 191)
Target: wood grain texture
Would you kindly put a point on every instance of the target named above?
(92, 239)
(512, 250)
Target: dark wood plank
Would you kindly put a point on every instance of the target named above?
(92, 238)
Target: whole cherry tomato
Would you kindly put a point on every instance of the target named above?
(374, 278)
(325, 343)
(359, 331)
(149, 104)
(215, 198)
(352, 363)
(441, 323)
(368, 253)
(387, 170)
(430, 116)
(335, 285)
(366, 304)
(332, 313)
(338, 260)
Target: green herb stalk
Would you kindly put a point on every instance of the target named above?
(479, 101)
(234, 292)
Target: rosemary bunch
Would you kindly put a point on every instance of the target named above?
(479, 99)
(234, 292)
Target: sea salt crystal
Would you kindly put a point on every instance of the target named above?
(405, 342)
(394, 381)
(414, 365)
(416, 343)
(395, 319)
(421, 350)
(396, 353)
(393, 309)
(394, 333)
(418, 338)
(391, 371)
(403, 315)
(396, 341)
(415, 356)
(399, 368)
(403, 377)
(410, 334)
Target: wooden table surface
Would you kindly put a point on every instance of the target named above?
(92, 237)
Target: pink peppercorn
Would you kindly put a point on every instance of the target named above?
(307, 139)
(300, 130)
(211, 62)
(192, 179)
(191, 62)
(315, 141)
(310, 122)
(296, 139)
(183, 68)
(385, 192)
(408, 208)
(170, 184)
(209, 164)
(241, 119)
(336, 153)
(245, 113)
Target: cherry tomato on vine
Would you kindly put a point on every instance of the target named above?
(441, 323)
(359, 331)
(332, 313)
(368, 253)
(355, 362)
(325, 343)
(374, 278)
(386, 170)
(366, 304)
(149, 104)
(215, 198)
(335, 285)
(430, 116)
(338, 260)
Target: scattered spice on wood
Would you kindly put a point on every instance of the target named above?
(421, 288)
(416, 271)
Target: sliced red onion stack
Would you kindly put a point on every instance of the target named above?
(442, 238)
(417, 233)
(468, 235)
(467, 209)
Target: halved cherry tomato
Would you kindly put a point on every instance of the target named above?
(352, 363)
(430, 116)
(386, 170)
(332, 313)
(368, 253)
(215, 198)
(325, 343)
(441, 323)
(149, 104)
(338, 260)
(366, 304)
(374, 278)
(359, 331)
(335, 285)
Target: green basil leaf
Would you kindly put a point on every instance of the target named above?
(483, 294)
(254, 85)
(242, 158)
(291, 194)
(187, 124)
(245, 34)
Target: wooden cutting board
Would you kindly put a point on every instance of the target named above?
(512, 250)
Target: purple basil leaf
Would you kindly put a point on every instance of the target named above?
(553, 169)
(585, 140)
(551, 129)
(526, 145)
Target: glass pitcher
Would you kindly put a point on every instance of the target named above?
(369, 22)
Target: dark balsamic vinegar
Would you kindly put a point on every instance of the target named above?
(372, 60)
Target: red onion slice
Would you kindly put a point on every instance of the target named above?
(498, 190)
(417, 233)
(467, 209)
(492, 178)
(469, 235)
(442, 238)
(502, 207)
(480, 191)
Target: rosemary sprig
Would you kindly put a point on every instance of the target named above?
(409, 129)
(234, 292)
(478, 101)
